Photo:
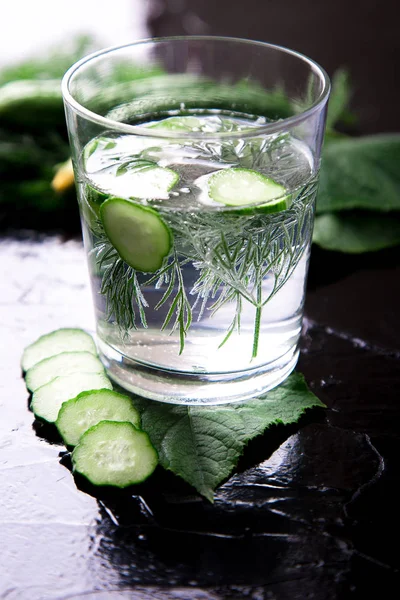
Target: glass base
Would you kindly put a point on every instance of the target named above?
(197, 389)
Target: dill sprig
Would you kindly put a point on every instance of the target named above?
(120, 286)
(232, 254)
(175, 293)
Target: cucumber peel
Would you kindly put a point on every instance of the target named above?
(243, 187)
(138, 233)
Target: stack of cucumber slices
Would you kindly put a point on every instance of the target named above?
(71, 390)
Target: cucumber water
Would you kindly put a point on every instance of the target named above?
(198, 249)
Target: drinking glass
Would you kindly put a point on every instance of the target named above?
(196, 163)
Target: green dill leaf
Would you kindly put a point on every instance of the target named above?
(231, 267)
(203, 445)
(121, 288)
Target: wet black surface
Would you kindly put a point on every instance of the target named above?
(312, 510)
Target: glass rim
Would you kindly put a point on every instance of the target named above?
(266, 129)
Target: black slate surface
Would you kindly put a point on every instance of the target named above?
(312, 511)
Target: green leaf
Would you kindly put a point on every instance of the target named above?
(360, 173)
(203, 445)
(339, 99)
(356, 232)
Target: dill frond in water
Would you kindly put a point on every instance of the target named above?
(232, 254)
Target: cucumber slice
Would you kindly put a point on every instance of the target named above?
(206, 124)
(48, 399)
(89, 408)
(241, 187)
(183, 123)
(64, 363)
(152, 182)
(116, 454)
(134, 176)
(137, 232)
(98, 144)
(61, 340)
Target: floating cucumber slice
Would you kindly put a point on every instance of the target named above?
(149, 182)
(48, 399)
(178, 124)
(89, 408)
(64, 363)
(138, 233)
(98, 144)
(207, 124)
(134, 177)
(116, 454)
(61, 340)
(241, 187)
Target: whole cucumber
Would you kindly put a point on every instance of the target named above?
(31, 105)
(21, 157)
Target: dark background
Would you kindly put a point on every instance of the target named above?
(361, 35)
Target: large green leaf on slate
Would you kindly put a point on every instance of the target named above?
(203, 445)
(360, 173)
(356, 232)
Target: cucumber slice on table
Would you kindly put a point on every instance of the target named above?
(116, 454)
(241, 187)
(89, 408)
(61, 340)
(138, 233)
(48, 399)
(64, 363)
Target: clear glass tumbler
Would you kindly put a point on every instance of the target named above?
(196, 162)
